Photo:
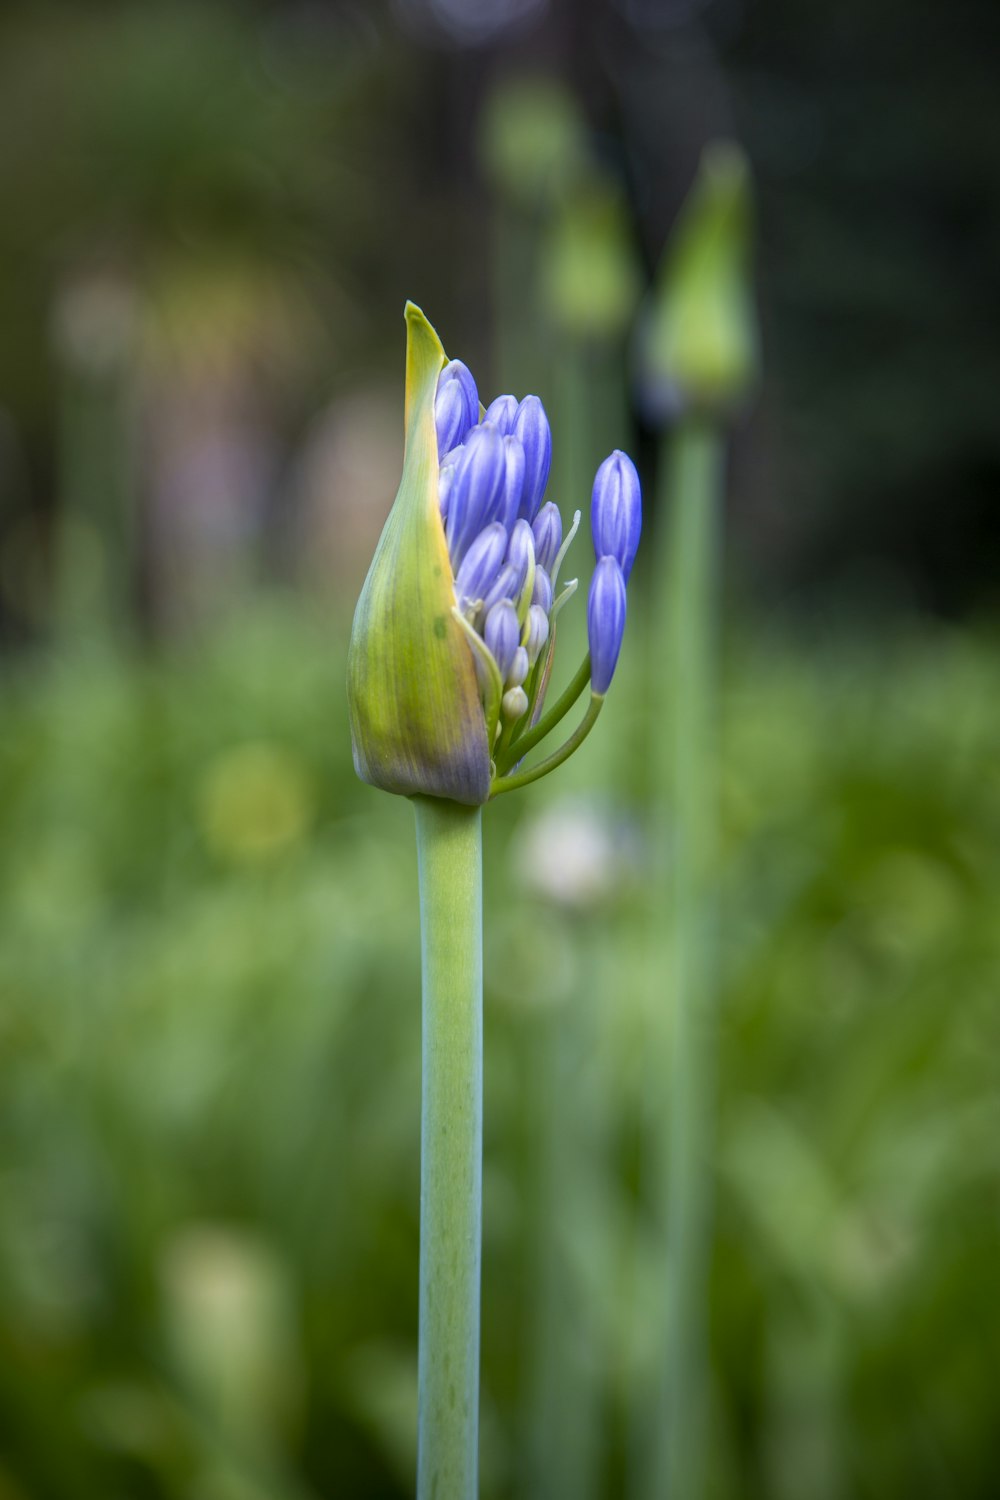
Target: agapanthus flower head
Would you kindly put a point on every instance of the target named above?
(454, 633)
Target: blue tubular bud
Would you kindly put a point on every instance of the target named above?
(451, 416)
(505, 587)
(616, 511)
(547, 529)
(520, 553)
(532, 427)
(480, 565)
(536, 632)
(513, 485)
(518, 669)
(502, 635)
(445, 481)
(605, 622)
(502, 413)
(475, 490)
(456, 405)
(542, 592)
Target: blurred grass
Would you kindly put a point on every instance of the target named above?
(209, 1034)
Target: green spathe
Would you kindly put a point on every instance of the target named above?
(417, 721)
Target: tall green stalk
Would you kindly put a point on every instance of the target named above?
(692, 499)
(449, 857)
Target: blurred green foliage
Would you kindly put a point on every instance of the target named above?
(209, 1035)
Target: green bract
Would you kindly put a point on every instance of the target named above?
(417, 722)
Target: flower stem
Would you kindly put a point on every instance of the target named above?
(694, 482)
(556, 713)
(576, 739)
(449, 858)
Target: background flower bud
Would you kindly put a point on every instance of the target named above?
(698, 345)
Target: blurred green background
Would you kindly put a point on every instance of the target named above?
(209, 953)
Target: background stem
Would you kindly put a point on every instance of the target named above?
(449, 857)
(688, 777)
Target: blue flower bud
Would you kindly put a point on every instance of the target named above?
(456, 405)
(475, 490)
(502, 635)
(518, 669)
(513, 485)
(445, 481)
(451, 417)
(616, 511)
(505, 587)
(502, 413)
(537, 632)
(480, 565)
(542, 592)
(520, 553)
(532, 427)
(547, 528)
(605, 622)
(514, 704)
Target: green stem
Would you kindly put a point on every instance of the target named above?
(576, 739)
(556, 713)
(694, 480)
(449, 857)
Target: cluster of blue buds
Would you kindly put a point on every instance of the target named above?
(506, 546)
(451, 707)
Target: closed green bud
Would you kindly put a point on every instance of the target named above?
(417, 721)
(698, 346)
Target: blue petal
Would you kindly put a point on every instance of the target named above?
(502, 635)
(547, 527)
(520, 553)
(513, 485)
(505, 587)
(532, 427)
(538, 632)
(605, 622)
(480, 565)
(475, 490)
(616, 511)
(502, 413)
(541, 594)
